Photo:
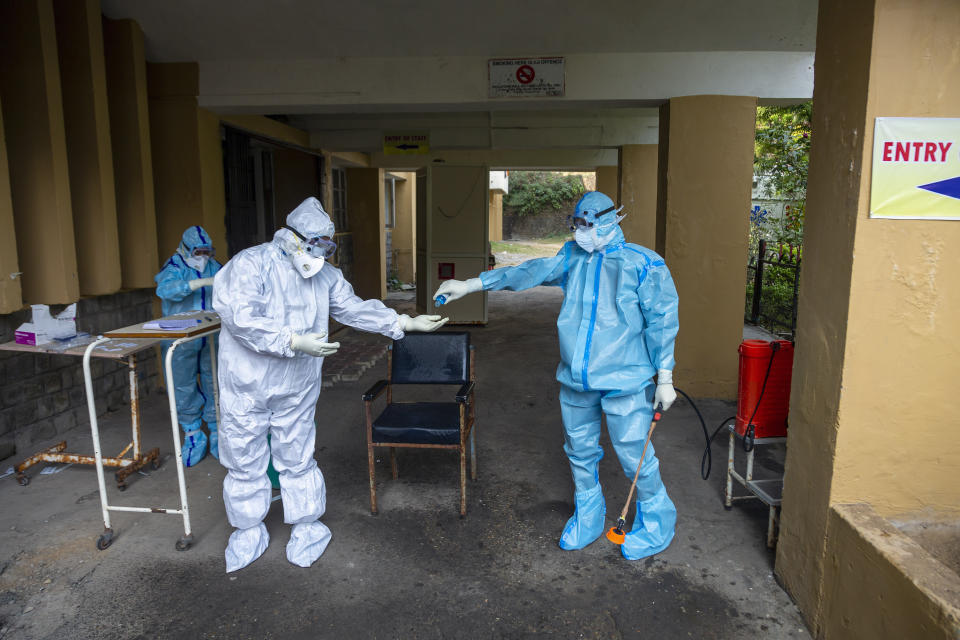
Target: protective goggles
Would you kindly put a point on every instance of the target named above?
(579, 222)
(205, 250)
(316, 246)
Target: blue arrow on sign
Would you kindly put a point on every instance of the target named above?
(949, 187)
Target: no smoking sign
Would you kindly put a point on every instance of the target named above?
(526, 77)
(525, 74)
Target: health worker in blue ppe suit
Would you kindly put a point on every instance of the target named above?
(184, 284)
(275, 301)
(617, 328)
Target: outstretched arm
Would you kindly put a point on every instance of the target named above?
(529, 274)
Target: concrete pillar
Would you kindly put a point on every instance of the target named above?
(608, 182)
(10, 294)
(404, 231)
(187, 161)
(873, 415)
(496, 216)
(705, 176)
(37, 150)
(87, 123)
(637, 192)
(126, 69)
(365, 212)
(213, 195)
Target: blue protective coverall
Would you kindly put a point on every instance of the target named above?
(616, 328)
(195, 399)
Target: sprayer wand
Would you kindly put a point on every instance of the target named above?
(616, 534)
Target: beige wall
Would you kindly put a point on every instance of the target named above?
(10, 295)
(872, 414)
(404, 240)
(37, 152)
(704, 198)
(496, 216)
(126, 70)
(87, 124)
(212, 192)
(881, 584)
(187, 161)
(637, 192)
(296, 177)
(608, 182)
(365, 211)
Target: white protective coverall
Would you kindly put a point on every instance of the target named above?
(266, 385)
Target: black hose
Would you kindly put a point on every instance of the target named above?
(706, 460)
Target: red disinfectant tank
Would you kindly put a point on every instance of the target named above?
(769, 418)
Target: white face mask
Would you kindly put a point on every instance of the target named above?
(590, 239)
(305, 264)
(197, 262)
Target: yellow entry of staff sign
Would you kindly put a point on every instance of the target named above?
(406, 144)
(916, 169)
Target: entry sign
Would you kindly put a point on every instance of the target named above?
(525, 77)
(916, 169)
(406, 144)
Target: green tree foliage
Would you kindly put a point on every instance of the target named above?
(782, 153)
(531, 192)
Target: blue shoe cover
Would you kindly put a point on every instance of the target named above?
(245, 546)
(214, 450)
(194, 447)
(653, 527)
(587, 521)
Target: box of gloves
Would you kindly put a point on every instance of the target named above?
(45, 328)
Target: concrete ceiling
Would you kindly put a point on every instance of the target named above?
(218, 30)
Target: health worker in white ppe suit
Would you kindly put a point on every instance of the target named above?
(274, 302)
(616, 327)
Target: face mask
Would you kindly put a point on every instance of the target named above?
(305, 264)
(197, 262)
(586, 239)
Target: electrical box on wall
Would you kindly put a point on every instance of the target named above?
(452, 237)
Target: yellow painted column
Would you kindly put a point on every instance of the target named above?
(37, 152)
(213, 194)
(175, 141)
(706, 172)
(496, 216)
(637, 192)
(608, 182)
(10, 295)
(404, 231)
(126, 70)
(87, 122)
(873, 412)
(365, 212)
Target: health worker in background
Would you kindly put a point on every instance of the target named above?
(617, 327)
(274, 302)
(184, 284)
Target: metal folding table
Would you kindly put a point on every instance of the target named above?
(207, 324)
(124, 349)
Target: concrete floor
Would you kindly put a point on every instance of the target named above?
(417, 570)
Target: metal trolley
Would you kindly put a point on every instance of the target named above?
(208, 324)
(767, 490)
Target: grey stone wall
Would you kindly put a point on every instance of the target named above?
(42, 396)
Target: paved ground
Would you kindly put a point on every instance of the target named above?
(417, 570)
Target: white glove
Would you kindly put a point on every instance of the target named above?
(200, 282)
(312, 344)
(665, 394)
(421, 323)
(456, 289)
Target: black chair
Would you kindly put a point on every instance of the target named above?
(444, 358)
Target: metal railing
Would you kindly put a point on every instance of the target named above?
(773, 288)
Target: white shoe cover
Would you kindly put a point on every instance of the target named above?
(308, 540)
(245, 546)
